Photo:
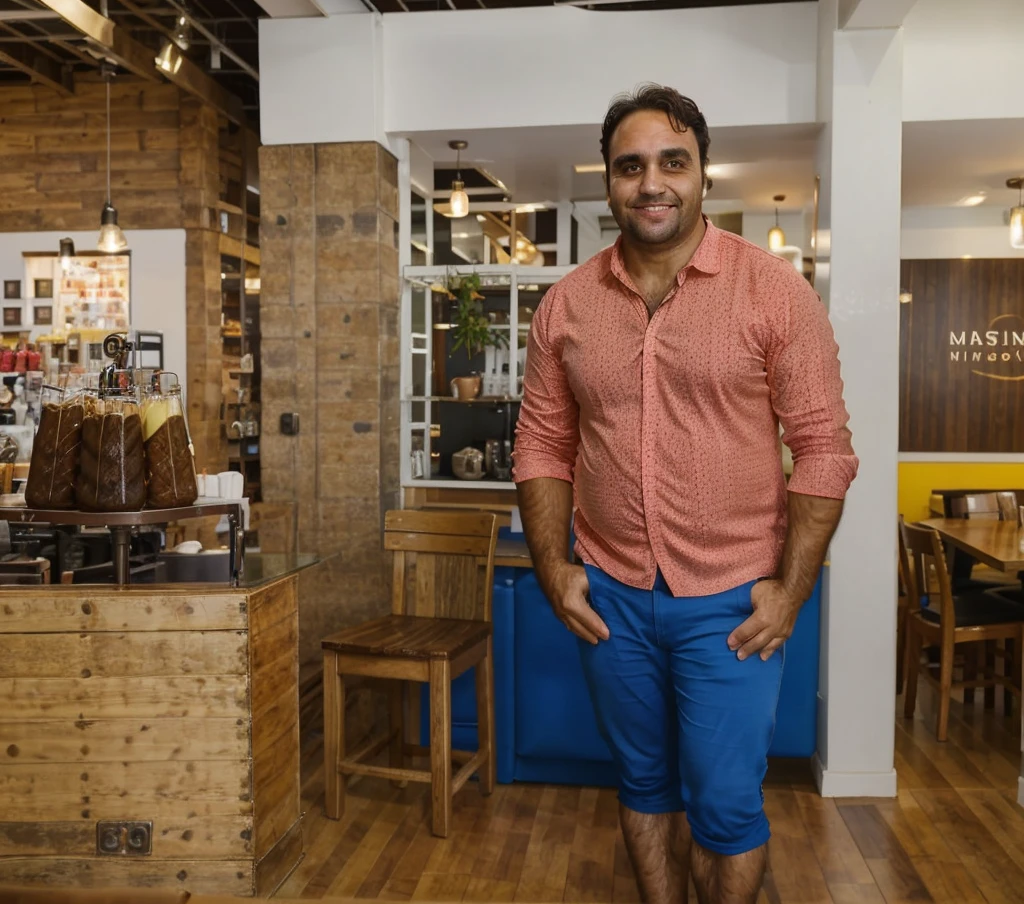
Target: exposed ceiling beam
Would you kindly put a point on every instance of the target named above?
(30, 60)
(26, 15)
(113, 41)
(290, 9)
(873, 13)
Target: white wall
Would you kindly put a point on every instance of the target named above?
(948, 232)
(559, 65)
(533, 66)
(963, 60)
(794, 225)
(157, 291)
(321, 80)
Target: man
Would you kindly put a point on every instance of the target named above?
(656, 378)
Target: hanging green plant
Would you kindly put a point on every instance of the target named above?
(471, 328)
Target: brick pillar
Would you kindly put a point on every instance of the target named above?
(330, 347)
(200, 190)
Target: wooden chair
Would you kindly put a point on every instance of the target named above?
(440, 626)
(970, 618)
(902, 604)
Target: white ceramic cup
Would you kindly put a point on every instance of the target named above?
(208, 485)
(230, 484)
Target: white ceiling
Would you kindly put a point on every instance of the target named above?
(943, 162)
(537, 164)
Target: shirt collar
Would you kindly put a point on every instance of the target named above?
(707, 258)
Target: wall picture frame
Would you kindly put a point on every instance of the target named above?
(42, 314)
(12, 316)
(43, 288)
(12, 288)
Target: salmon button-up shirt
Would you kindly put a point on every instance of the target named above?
(667, 426)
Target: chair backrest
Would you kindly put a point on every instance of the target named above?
(983, 506)
(443, 562)
(904, 576)
(1007, 501)
(923, 548)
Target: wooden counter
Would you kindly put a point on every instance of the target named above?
(166, 704)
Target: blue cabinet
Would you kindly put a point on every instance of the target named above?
(545, 725)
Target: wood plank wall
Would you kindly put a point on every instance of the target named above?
(970, 397)
(53, 156)
(167, 172)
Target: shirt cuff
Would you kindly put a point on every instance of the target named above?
(823, 475)
(528, 469)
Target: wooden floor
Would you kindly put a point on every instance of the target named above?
(955, 833)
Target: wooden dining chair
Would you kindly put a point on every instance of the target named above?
(902, 603)
(968, 618)
(440, 626)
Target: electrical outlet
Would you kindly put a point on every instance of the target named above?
(131, 838)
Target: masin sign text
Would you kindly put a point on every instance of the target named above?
(962, 356)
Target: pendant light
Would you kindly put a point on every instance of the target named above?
(459, 199)
(111, 238)
(1017, 213)
(67, 252)
(776, 237)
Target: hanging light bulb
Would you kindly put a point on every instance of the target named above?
(182, 32)
(111, 238)
(1017, 213)
(776, 237)
(169, 59)
(459, 200)
(67, 251)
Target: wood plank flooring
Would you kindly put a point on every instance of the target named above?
(954, 835)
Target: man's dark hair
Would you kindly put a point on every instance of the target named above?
(682, 112)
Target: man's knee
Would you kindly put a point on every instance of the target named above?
(727, 820)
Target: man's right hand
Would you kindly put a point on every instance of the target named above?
(568, 591)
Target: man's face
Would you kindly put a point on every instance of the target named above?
(655, 184)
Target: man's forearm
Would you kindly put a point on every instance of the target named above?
(545, 505)
(812, 521)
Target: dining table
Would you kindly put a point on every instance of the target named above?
(994, 543)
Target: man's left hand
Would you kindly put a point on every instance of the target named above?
(771, 623)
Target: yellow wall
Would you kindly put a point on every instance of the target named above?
(918, 479)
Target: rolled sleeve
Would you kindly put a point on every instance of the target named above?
(547, 432)
(807, 395)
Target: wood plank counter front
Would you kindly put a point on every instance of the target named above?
(171, 705)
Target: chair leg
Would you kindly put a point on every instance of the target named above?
(901, 645)
(972, 669)
(990, 672)
(1009, 665)
(945, 687)
(485, 719)
(396, 725)
(910, 669)
(441, 746)
(334, 737)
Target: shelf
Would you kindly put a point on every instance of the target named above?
(453, 483)
(479, 400)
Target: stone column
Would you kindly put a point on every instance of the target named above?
(330, 347)
(200, 190)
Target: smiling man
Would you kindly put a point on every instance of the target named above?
(656, 379)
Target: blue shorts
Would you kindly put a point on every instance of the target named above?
(689, 725)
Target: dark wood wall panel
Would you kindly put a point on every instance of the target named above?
(976, 403)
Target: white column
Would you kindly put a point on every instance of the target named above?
(860, 247)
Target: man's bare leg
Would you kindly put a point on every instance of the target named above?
(720, 879)
(658, 845)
